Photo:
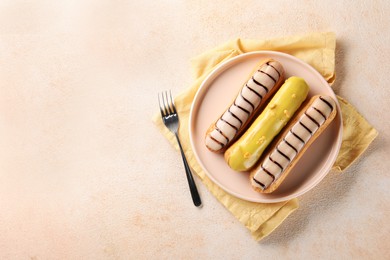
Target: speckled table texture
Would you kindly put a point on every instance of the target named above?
(84, 173)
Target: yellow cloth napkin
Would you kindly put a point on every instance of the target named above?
(318, 50)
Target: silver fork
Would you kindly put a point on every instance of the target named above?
(171, 121)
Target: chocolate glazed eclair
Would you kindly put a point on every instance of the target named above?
(262, 83)
(293, 141)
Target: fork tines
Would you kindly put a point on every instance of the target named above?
(167, 105)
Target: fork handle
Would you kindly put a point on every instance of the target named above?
(194, 191)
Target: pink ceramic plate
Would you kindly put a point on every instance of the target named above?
(218, 91)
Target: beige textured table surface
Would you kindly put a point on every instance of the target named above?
(84, 174)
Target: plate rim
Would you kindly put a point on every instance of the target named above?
(215, 72)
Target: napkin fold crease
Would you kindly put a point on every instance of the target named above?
(316, 49)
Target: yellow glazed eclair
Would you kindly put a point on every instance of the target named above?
(263, 82)
(247, 150)
(292, 142)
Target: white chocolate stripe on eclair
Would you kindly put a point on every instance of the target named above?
(292, 142)
(247, 101)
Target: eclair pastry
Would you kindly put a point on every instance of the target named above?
(262, 83)
(247, 150)
(297, 136)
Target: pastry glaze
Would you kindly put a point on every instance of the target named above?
(273, 168)
(262, 83)
(247, 150)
